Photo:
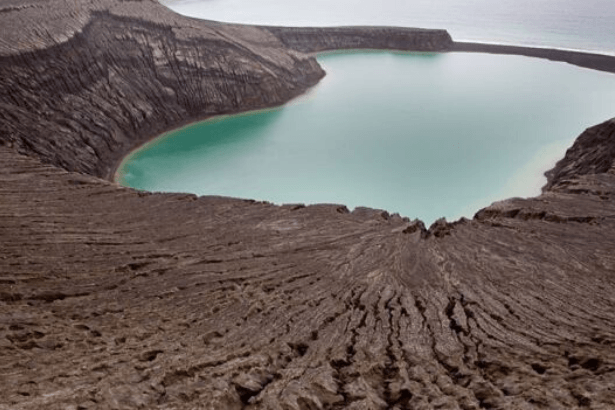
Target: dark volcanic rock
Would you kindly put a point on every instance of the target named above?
(116, 299)
(97, 103)
(313, 39)
(593, 153)
(594, 61)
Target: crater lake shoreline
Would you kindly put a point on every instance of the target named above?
(301, 35)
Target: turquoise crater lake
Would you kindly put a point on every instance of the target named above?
(424, 135)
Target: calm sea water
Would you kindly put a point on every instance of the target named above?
(572, 24)
(425, 135)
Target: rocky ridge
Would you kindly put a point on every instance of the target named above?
(116, 299)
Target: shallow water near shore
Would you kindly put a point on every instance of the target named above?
(424, 135)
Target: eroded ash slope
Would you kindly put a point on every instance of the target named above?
(117, 299)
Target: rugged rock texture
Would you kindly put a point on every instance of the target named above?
(82, 104)
(117, 299)
(592, 154)
(107, 89)
(314, 39)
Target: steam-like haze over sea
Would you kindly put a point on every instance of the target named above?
(570, 24)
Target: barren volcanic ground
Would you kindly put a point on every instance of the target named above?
(116, 299)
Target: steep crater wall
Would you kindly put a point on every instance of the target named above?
(83, 104)
(315, 39)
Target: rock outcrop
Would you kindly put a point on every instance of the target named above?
(83, 103)
(315, 39)
(116, 299)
